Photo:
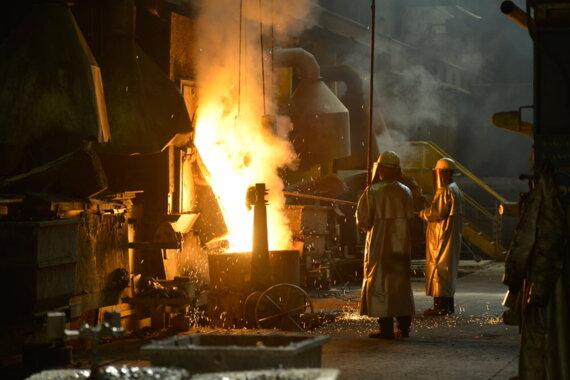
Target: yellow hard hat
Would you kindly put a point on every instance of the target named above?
(389, 159)
(445, 163)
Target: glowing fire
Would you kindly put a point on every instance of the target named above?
(234, 92)
(239, 154)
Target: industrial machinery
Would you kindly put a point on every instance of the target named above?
(258, 289)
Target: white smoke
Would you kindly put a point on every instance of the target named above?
(419, 83)
(236, 90)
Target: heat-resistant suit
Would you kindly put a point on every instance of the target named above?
(443, 240)
(384, 211)
(537, 270)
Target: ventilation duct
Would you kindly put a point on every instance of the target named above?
(354, 100)
(321, 131)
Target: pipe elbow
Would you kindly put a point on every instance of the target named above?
(346, 74)
(299, 58)
(516, 14)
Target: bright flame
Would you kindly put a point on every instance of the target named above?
(239, 154)
(234, 145)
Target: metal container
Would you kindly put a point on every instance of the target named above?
(39, 258)
(230, 271)
(230, 282)
(285, 267)
(281, 374)
(203, 353)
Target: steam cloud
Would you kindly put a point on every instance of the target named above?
(416, 100)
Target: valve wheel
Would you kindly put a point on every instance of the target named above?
(281, 307)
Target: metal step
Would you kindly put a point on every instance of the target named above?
(482, 241)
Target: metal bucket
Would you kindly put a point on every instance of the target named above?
(230, 271)
(230, 282)
(285, 267)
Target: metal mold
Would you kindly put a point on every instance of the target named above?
(203, 353)
(282, 374)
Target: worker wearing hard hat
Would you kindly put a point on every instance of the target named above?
(443, 238)
(384, 211)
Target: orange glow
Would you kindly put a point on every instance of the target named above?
(238, 154)
(233, 94)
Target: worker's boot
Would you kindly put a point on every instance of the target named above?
(386, 329)
(439, 307)
(404, 324)
(450, 305)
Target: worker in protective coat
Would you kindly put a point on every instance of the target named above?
(443, 238)
(537, 271)
(384, 211)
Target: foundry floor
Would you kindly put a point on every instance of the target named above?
(471, 344)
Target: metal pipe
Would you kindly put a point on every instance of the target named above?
(371, 108)
(511, 121)
(346, 74)
(316, 197)
(260, 251)
(512, 11)
(299, 58)
(261, 56)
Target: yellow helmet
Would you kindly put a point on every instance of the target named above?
(445, 163)
(389, 159)
(443, 172)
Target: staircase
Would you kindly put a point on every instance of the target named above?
(481, 220)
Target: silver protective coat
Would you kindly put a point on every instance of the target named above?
(384, 211)
(537, 271)
(443, 240)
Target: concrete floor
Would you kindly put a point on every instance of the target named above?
(472, 344)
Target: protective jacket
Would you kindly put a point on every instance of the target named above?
(537, 271)
(384, 211)
(443, 240)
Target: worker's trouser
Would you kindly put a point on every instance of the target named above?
(387, 324)
(444, 303)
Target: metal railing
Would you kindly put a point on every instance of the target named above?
(480, 208)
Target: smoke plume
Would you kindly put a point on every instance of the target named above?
(449, 71)
(235, 79)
